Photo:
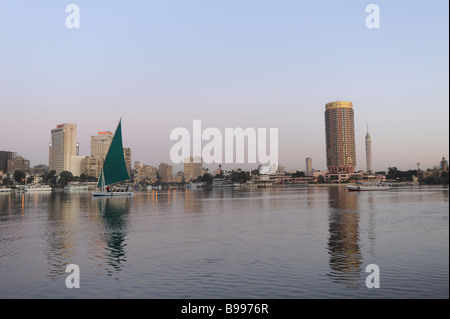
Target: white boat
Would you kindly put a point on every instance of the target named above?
(114, 169)
(195, 185)
(221, 182)
(371, 187)
(76, 188)
(37, 188)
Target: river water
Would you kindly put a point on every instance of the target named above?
(288, 242)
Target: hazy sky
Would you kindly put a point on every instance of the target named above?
(248, 63)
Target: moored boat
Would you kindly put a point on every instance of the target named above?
(35, 188)
(362, 187)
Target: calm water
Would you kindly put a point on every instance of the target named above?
(302, 242)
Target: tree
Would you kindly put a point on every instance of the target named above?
(65, 177)
(393, 173)
(240, 177)
(83, 178)
(207, 178)
(47, 177)
(30, 179)
(7, 180)
(320, 179)
(19, 177)
(298, 174)
(255, 172)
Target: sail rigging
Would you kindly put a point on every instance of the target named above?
(114, 168)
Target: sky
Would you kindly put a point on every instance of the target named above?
(159, 65)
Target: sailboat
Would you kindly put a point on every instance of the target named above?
(114, 168)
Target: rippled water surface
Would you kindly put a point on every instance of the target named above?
(299, 242)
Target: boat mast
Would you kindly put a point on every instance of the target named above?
(103, 181)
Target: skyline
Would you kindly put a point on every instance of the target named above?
(162, 65)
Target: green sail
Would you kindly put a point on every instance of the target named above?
(114, 167)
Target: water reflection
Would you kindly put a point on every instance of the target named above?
(343, 244)
(371, 230)
(60, 233)
(115, 218)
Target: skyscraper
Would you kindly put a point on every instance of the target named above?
(4, 157)
(100, 143)
(165, 172)
(340, 137)
(63, 147)
(368, 151)
(193, 168)
(308, 165)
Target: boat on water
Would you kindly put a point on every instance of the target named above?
(368, 187)
(192, 185)
(34, 188)
(221, 182)
(76, 188)
(114, 169)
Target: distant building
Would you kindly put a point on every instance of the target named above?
(444, 164)
(340, 137)
(18, 163)
(127, 155)
(165, 172)
(92, 165)
(368, 152)
(75, 165)
(100, 143)
(4, 157)
(193, 168)
(180, 175)
(308, 170)
(39, 169)
(343, 177)
(280, 169)
(144, 172)
(63, 146)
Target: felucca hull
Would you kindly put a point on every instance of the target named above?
(112, 194)
(352, 188)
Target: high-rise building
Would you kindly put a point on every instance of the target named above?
(308, 166)
(165, 172)
(368, 152)
(18, 163)
(4, 157)
(92, 165)
(193, 168)
(340, 137)
(63, 146)
(100, 143)
(127, 155)
(444, 164)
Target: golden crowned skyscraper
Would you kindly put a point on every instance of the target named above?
(340, 137)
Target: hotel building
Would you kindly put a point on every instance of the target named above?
(100, 143)
(340, 137)
(63, 147)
